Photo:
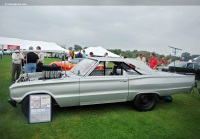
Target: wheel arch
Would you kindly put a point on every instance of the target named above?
(132, 97)
(40, 92)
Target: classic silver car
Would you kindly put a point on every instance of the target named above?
(128, 80)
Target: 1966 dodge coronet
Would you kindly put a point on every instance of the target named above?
(86, 85)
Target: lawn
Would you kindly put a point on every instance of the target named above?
(179, 119)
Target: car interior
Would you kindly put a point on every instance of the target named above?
(115, 69)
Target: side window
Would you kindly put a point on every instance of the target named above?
(129, 68)
(185, 66)
(107, 69)
(114, 69)
(196, 66)
(98, 71)
(190, 66)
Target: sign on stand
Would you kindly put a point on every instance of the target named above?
(40, 108)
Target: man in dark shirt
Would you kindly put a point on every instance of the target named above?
(32, 60)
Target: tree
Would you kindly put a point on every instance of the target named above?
(70, 48)
(186, 56)
(77, 47)
(116, 51)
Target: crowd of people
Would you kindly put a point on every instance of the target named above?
(153, 61)
(81, 54)
(31, 62)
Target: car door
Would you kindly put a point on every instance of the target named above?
(190, 68)
(103, 89)
(197, 70)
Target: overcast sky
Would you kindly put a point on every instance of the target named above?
(150, 28)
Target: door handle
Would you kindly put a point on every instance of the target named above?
(123, 80)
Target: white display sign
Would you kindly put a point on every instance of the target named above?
(40, 108)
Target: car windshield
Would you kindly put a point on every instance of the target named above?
(178, 64)
(76, 60)
(83, 67)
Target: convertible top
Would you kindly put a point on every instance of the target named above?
(138, 64)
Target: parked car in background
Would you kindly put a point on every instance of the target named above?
(68, 65)
(7, 52)
(84, 84)
(182, 67)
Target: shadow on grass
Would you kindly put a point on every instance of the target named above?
(98, 108)
(103, 108)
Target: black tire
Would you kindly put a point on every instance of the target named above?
(145, 102)
(25, 106)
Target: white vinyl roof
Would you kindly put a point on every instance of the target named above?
(99, 51)
(25, 44)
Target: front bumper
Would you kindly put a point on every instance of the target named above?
(12, 102)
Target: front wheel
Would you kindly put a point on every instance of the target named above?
(145, 102)
(25, 106)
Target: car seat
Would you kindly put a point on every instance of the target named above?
(114, 71)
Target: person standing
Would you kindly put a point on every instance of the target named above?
(163, 62)
(169, 61)
(24, 62)
(153, 62)
(141, 58)
(16, 64)
(106, 55)
(63, 56)
(73, 55)
(79, 54)
(84, 54)
(32, 59)
(40, 60)
(70, 55)
(1, 54)
(91, 54)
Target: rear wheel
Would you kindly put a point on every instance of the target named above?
(145, 102)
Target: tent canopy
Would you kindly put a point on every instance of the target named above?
(99, 51)
(25, 44)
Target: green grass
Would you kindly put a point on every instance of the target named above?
(179, 119)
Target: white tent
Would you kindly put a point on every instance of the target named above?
(99, 51)
(25, 44)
